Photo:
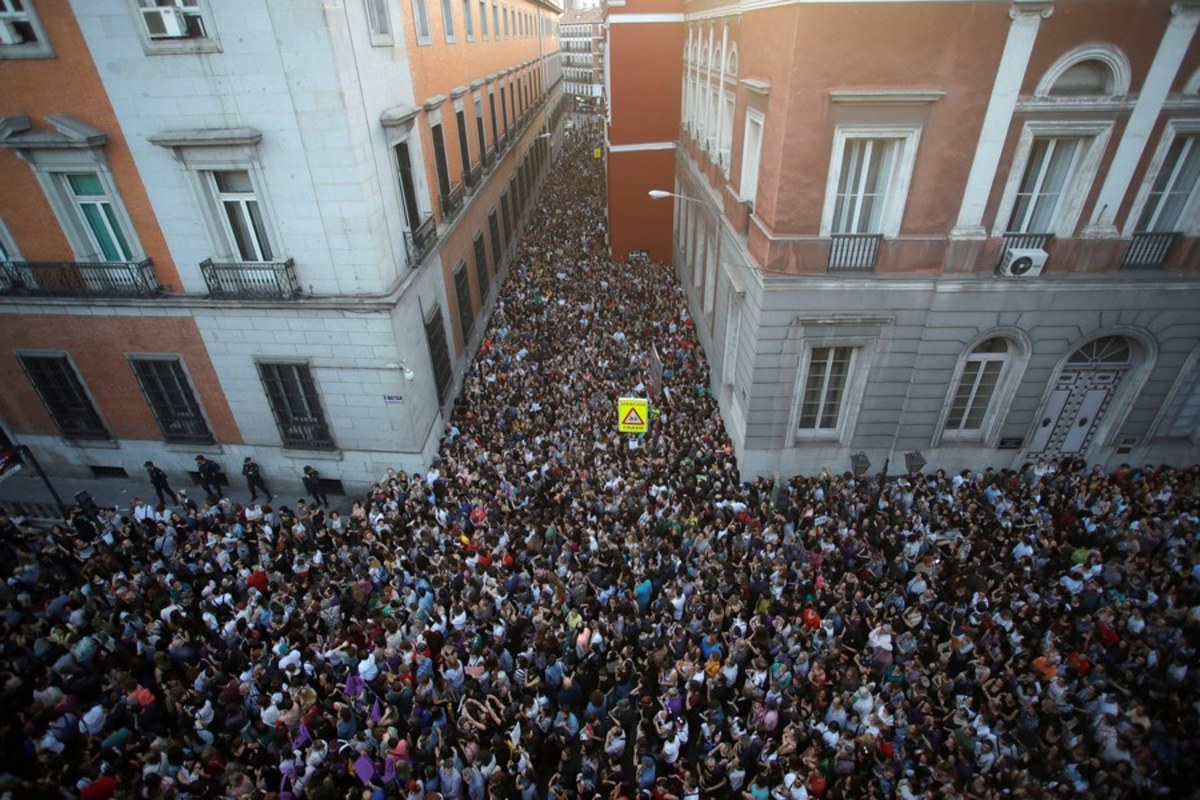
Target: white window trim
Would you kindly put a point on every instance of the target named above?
(483, 20)
(856, 384)
(1190, 218)
(468, 20)
(420, 11)
(1015, 362)
(1075, 192)
(209, 43)
(747, 175)
(380, 38)
(734, 311)
(1165, 419)
(892, 214)
(51, 169)
(9, 244)
(448, 21)
(39, 49)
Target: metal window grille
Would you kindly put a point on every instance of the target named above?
(494, 231)
(296, 405)
(439, 353)
(462, 293)
(172, 400)
(482, 276)
(57, 383)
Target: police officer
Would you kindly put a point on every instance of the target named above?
(210, 477)
(312, 485)
(158, 479)
(254, 480)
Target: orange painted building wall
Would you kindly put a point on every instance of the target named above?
(99, 347)
(67, 84)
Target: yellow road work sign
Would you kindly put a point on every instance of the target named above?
(633, 414)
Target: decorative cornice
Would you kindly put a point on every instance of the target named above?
(475, 84)
(434, 102)
(69, 133)
(885, 96)
(757, 86)
(457, 92)
(207, 137)
(1020, 8)
(397, 116)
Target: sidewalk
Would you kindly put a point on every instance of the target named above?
(27, 488)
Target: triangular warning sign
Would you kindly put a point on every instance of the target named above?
(633, 418)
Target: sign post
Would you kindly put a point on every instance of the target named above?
(633, 414)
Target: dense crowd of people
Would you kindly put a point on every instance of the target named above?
(556, 610)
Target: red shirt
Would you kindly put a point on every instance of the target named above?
(258, 580)
(102, 788)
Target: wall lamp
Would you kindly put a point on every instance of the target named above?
(659, 194)
(408, 373)
(859, 464)
(914, 461)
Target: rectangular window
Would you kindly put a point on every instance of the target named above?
(1052, 163)
(421, 21)
(464, 151)
(479, 127)
(439, 353)
(408, 189)
(495, 127)
(98, 216)
(241, 215)
(1173, 187)
(21, 33)
(974, 395)
(56, 382)
(296, 406)
(504, 109)
(172, 400)
(863, 184)
(172, 19)
(378, 22)
(482, 276)
(1184, 414)
(468, 22)
(483, 21)
(751, 153)
(496, 18)
(443, 167)
(448, 19)
(506, 206)
(494, 233)
(825, 388)
(462, 294)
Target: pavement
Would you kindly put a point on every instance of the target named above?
(27, 489)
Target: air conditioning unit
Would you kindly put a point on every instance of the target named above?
(165, 23)
(1021, 262)
(9, 34)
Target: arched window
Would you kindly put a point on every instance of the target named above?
(1107, 351)
(984, 383)
(1089, 71)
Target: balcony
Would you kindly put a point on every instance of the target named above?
(420, 241)
(1148, 250)
(265, 280)
(853, 252)
(452, 203)
(473, 176)
(79, 279)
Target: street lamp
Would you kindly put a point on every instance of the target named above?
(659, 194)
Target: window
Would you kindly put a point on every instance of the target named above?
(296, 406)
(1181, 412)
(482, 276)
(56, 382)
(439, 353)
(408, 189)
(869, 175)
(172, 19)
(241, 215)
(825, 388)
(496, 18)
(462, 294)
(494, 233)
(1172, 188)
(21, 33)
(495, 127)
(483, 21)
(448, 19)
(751, 152)
(479, 127)
(733, 332)
(464, 151)
(443, 168)
(378, 22)
(977, 386)
(468, 22)
(99, 219)
(421, 22)
(172, 399)
(8, 247)
(1051, 175)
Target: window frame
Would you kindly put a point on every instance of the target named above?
(1189, 217)
(158, 45)
(483, 20)
(422, 30)
(379, 22)
(906, 139)
(186, 390)
(41, 47)
(254, 219)
(464, 301)
(448, 21)
(751, 160)
(1185, 385)
(483, 276)
(1008, 382)
(1095, 135)
(76, 386)
(285, 417)
(468, 21)
(439, 356)
(862, 356)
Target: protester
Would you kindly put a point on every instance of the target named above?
(558, 610)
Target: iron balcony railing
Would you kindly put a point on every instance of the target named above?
(473, 175)
(420, 241)
(251, 280)
(1022, 241)
(452, 203)
(1148, 250)
(853, 252)
(79, 279)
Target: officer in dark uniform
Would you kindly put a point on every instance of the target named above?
(254, 480)
(312, 485)
(210, 477)
(158, 479)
